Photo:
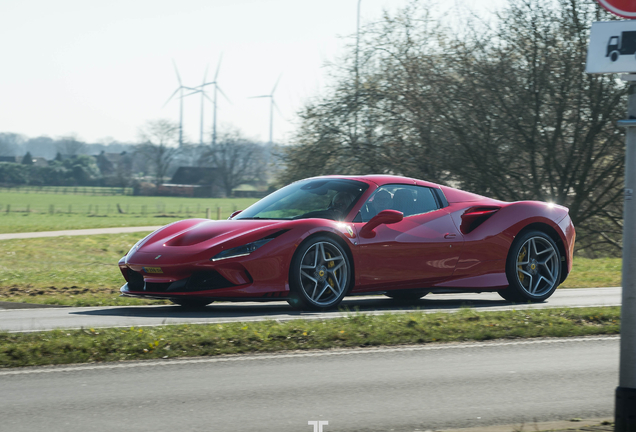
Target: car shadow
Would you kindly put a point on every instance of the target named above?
(282, 309)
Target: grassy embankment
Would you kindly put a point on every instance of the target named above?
(357, 330)
(82, 270)
(31, 212)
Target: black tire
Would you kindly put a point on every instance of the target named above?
(533, 268)
(319, 274)
(410, 295)
(614, 55)
(192, 303)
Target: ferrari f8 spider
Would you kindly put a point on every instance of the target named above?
(317, 240)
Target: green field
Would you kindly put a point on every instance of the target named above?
(82, 270)
(31, 212)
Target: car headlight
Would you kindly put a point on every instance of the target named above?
(241, 250)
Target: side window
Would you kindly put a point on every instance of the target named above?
(424, 200)
(408, 199)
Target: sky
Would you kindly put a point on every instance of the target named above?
(101, 70)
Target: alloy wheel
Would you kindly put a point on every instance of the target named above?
(538, 266)
(323, 273)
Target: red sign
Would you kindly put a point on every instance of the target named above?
(623, 8)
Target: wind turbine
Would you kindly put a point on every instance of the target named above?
(202, 86)
(217, 89)
(181, 96)
(272, 105)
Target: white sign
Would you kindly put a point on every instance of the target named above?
(317, 424)
(612, 47)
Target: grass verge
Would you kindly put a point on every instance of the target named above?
(70, 271)
(357, 330)
(599, 272)
(604, 426)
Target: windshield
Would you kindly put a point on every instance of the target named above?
(321, 198)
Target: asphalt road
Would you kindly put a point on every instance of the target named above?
(23, 320)
(398, 389)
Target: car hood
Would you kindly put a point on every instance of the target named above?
(197, 235)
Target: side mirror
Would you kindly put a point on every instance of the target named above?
(385, 217)
(234, 214)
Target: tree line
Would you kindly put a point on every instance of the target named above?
(235, 159)
(498, 107)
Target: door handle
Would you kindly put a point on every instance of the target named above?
(449, 236)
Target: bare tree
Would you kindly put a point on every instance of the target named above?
(10, 143)
(505, 110)
(69, 145)
(528, 123)
(159, 141)
(237, 160)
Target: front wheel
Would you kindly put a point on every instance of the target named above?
(533, 268)
(320, 274)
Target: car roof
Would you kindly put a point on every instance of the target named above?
(382, 179)
(452, 195)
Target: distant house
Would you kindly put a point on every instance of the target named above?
(37, 161)
(194, 176)
(40, 162)
(113, 164)
(193, 182)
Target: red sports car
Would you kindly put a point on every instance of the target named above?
(317, 240)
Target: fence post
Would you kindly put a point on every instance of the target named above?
(8, 208)
(218, 213)
(208, 213)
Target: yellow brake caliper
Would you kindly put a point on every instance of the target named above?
(330, 265)
(522, 255)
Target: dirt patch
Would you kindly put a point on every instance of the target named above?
(13, 305)
(22, 291)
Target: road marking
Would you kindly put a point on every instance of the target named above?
(253, 357)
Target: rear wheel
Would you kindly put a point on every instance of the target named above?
(533, 268)
(191, 303)
(319, 275)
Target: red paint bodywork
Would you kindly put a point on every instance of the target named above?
(431, 250)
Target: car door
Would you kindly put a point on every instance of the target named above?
(422, 248)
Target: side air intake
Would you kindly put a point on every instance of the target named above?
(475, 216)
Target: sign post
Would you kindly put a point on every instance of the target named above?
(625, 404)
(613, 49)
